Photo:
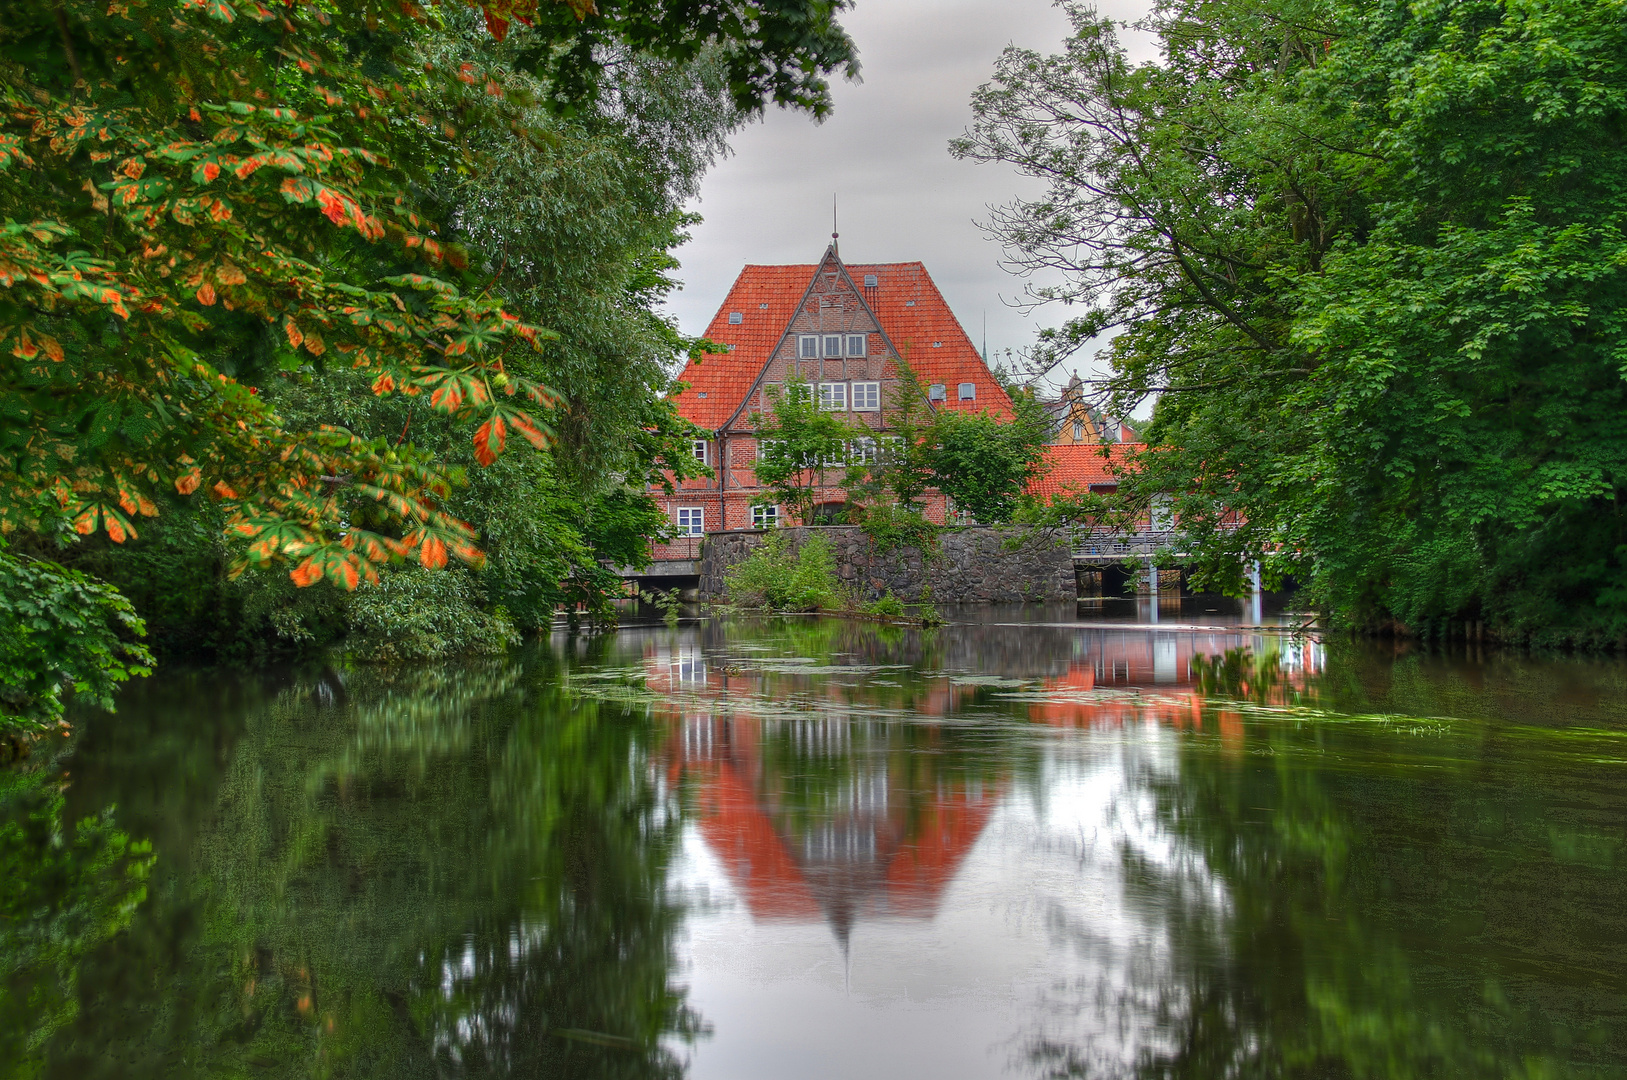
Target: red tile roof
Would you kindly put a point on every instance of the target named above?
(907, 304)
(918, 322)
(1075, 468)
(718, 383)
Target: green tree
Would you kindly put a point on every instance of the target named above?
(985, 464)
(60, 632)
(1369, 259)
(802, 450)
(902, 471)
(206, 195)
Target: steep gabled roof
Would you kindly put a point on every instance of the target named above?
(1074, 468)
(907, 305)
(766, 297)
(926, 333)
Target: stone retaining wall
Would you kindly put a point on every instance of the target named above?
(973, 565)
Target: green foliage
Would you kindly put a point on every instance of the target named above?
(802, 449)
(903, 469)
(782, 577)
(985, 464)
(886, 607)
(423, 615)
(891, 527)
(63, 893)
(769, 50)
(1370, 258)
(670, 602)
(61, 632)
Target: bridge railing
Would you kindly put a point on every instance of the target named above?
(1105, 544)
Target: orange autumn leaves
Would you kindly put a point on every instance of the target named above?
(237, 200)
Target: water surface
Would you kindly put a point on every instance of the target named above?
(1030, 844)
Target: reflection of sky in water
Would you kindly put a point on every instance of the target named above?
(1037, 934)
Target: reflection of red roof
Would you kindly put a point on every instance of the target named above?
(915, 851)
(922, 868)
(1091, 710)
(1074, 468)
(907, 305)
(744, 840)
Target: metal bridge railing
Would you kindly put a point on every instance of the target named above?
(1109, 544)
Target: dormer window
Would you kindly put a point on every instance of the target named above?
(856, 344)
(968, 391)
(833, 344)
(869, 281)
(736, 318)
(937, 392)
(808, 347)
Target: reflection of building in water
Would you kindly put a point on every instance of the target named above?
(818, 813)
(815, 818)
(1158, 674)
(822, 814)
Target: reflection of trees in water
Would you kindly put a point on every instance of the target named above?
(1378, 918)
(65, 889)
(408, 874)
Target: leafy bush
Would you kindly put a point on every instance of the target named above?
(61, 631)
(890, 527)
(787, 578)
(888, 607)
(425, 615)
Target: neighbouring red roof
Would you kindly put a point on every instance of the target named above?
(907, 304)
(1074, 468)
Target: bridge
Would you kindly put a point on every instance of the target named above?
(1104, 547)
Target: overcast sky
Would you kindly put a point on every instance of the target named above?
(884, 154)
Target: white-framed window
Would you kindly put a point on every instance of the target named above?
(808, 347)
(836, 459)
(856, 344)
(765, 517)
(771, 394)
(833, 396)
(861, 452)
(763, 447)
(866, 397)
(937, 392)
(833, 344)
(968, 391)
(691, 520)
(698, 448)
(890, 445)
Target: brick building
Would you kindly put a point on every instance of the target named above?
(841, 329)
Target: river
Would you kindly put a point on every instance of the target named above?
(1032, 843)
